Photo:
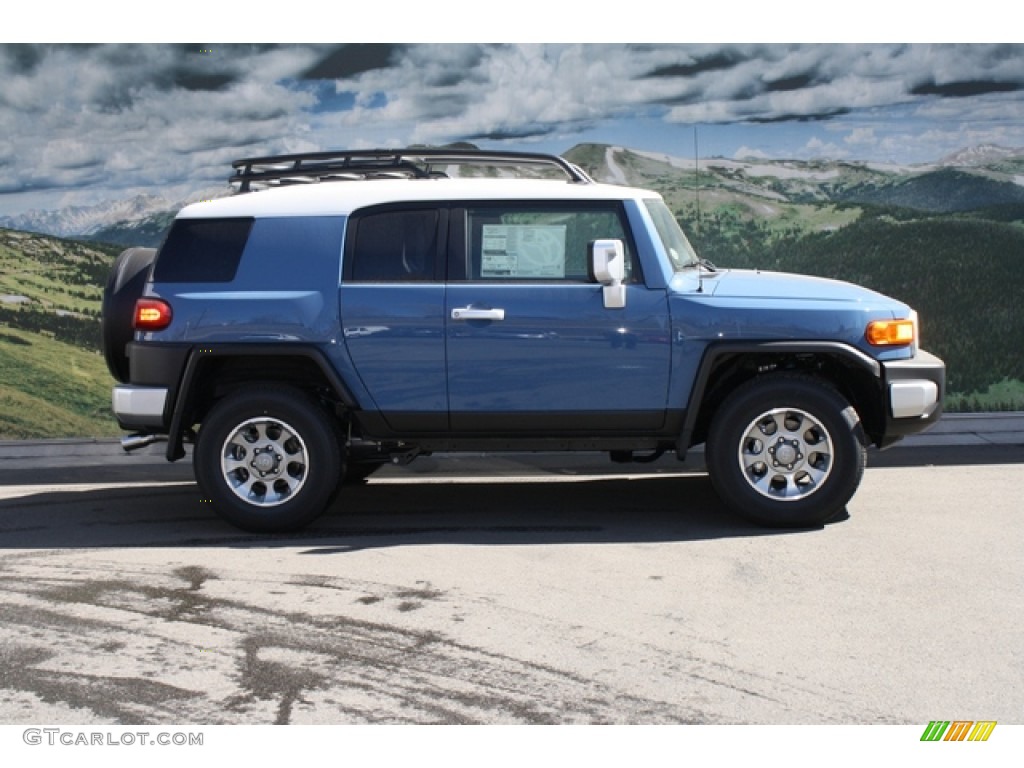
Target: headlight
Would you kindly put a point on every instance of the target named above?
(891, 333)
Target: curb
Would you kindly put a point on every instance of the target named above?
(972, 429)
(59, 448)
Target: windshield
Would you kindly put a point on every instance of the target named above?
(676, 245)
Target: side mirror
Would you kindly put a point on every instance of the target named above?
(607, 264)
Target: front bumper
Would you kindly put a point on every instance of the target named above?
(914, 390)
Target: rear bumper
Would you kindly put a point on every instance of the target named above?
(914, 390)
(146, 403)
(140, 407)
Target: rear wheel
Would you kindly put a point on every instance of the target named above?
(786, 451)
(268, 459)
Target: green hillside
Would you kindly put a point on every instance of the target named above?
(945, 190)
(51, 389)
(53, 380)
(961, 273)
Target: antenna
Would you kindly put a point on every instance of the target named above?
(696, 176)
(696, 194)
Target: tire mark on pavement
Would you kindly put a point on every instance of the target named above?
(274, 663)
(121, 699)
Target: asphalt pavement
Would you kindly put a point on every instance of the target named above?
(977, 438)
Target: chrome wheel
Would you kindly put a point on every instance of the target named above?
(786, 450)
(268, 458)
(786, 454)
(264, 462)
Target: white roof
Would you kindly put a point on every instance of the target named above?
(340, 198)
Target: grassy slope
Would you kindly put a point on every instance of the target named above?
(53, 381)
(962, 274)
(51, 389)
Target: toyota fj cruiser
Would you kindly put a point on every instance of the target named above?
(343, 310)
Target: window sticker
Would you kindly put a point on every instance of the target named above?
(523, 251)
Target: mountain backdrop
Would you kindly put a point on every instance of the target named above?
(946, 237)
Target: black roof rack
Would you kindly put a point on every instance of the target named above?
(311, 167)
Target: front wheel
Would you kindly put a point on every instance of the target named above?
(267, 459)
(786, 451)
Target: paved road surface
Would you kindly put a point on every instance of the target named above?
(509, 590)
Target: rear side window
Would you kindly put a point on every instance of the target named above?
(292, 253)
(393, 246)
(202, 251)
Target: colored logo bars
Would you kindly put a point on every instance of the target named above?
(958, 730)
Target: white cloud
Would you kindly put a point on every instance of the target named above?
(446, 92)
(816, 148)
(861, 137)
(750, 153)
(129, 117)
(138, 115)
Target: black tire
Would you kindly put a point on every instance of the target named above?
(267, 458)
(786, 451)
(124, 286)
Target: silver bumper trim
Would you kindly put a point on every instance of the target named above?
(912, 398)
(139, 406)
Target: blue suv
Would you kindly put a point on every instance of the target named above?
(344, 310)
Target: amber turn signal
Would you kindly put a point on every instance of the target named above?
(890, 333)
(152, 315)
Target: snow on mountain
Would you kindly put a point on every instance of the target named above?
(753, 168)
(83, 221)
(983, 154)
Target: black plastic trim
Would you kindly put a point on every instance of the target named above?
(591, 423)
(618, 428)
(185, 399)
(923, 365)
(157, 364)
(716, 352)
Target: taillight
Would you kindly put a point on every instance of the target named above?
(152, 315)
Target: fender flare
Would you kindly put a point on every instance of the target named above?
(714, 354)
(200, 355)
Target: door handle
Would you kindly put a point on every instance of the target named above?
(469, 313)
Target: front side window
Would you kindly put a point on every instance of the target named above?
(676, 245)
(547, 241)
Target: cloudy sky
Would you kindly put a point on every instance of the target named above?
(80, 124)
